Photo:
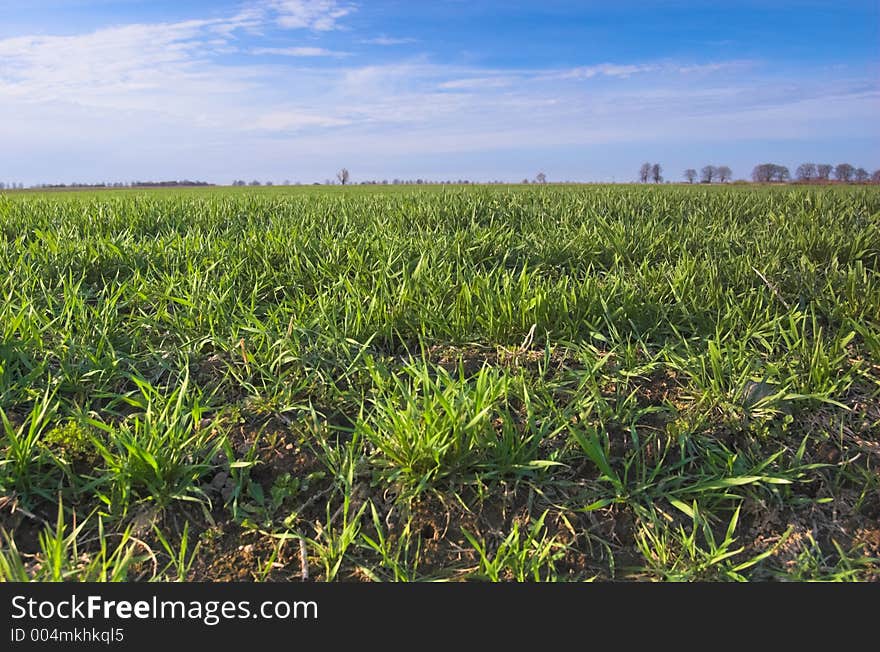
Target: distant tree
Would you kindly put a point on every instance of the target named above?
(691, 175)
(861, 175)
(844, 172)
(287, 182)
(2, 186)
(269, 183)
(525, 182)
(875, 178)
(343, 176)
(255, 183)
(767, 172)
(540, 178)
(823, 171)
(762, 173)
(807, 172)
(656, 173)
(645, 172)
(724, 173)
(708, 173)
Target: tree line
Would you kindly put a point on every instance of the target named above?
(108, 184)
(762, 173)
(812, 172)
(768, 173)
(708, 174)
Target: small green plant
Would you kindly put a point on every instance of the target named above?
(428, 426)
(694, 553)
(522, 556)
(158, 455)
(63, 556)
(72, 442)
(332, 541)
(20, 468)
(180, 561)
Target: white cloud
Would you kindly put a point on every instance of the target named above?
(120, 67)
(317, 15)
(389, 40)
(300, 52)
(248, 18)
(297, 120)
(476, 83)
(708, 68)
(607, 70)
(624, 71)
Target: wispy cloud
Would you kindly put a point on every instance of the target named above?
(720, 66)
(317, 15)
(248, 18)
(625, 70)
(389, 40)
(297, 120)
(300, 52)
(476, 83)
(606, 70)
(117, 66)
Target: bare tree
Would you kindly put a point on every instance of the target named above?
(844, 172)
(767, 172)
(656, 173)
(823, 171)
(691, 175)
(540, 178)
(708, 173)
(343, 176)
(875, 178)
(807, 172)
(861, 175)
(762, 173)
(724, 173)
(645, 172)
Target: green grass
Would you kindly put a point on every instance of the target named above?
(444, 383)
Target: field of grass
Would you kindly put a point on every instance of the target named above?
(481, 383)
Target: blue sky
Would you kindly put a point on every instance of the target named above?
(106, 90)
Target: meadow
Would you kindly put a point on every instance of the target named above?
(537, 383)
